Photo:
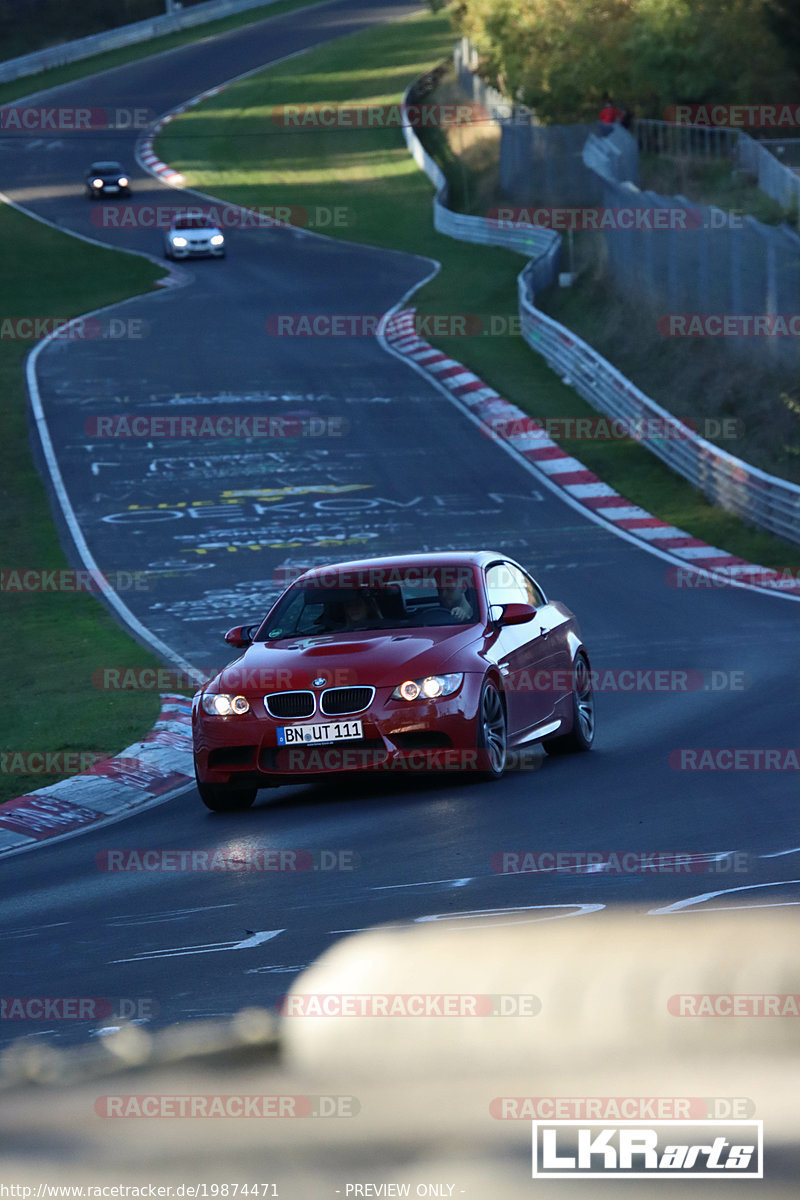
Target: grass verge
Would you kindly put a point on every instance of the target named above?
(57, 76)
(714, 183)
(55, 640)
(232, 147)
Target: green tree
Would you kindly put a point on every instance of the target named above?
(783, 18)
(696, 51)
(560, 56)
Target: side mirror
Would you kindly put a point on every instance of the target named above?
(240, 636)
(517, 614)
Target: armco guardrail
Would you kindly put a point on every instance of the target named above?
(760, 499)
(124, 35)
(542, 246)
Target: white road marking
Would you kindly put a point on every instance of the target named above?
(32, 931)
(276, 970)
(582, 909)
(750, 887)
(174, 914)
(781, 853)
(468, 915)
(387, 887)
(264, 935)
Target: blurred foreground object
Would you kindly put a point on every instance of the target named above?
(417, 1100)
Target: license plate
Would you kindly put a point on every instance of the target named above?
(315, 735)
(111, 187)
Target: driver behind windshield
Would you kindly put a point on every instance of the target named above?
(455, 601)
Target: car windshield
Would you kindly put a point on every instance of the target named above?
(107, 168)
(193, 223)
(375, 600)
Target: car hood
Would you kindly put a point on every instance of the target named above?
(350, 660)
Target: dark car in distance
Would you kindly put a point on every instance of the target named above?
(107, 179)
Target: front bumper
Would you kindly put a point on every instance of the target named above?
(424, 735)
(204, 251)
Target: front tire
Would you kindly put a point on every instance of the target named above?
(492, 733)
(220, 798)
(581, 737)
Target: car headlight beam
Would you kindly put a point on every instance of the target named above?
(217, 239)
(219, 704)
(97, 183)
(123, 181)
(180, 242)
(432, 687)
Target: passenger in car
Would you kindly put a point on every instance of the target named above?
(359, 610)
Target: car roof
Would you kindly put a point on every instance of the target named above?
(447, 558)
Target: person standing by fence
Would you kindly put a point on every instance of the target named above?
(608, 116)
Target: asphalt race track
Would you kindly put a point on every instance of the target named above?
(213, 525)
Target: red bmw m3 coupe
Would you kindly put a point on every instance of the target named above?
(422, 662)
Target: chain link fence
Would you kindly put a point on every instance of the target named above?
(641, 259)
(691, 266)
(539, 164)
(761, 499)
(701, 271)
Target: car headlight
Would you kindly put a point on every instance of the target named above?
(217, 239)
(97, 183)
(432, 687)
(123, 181)
(217, 704)
(179, 241)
